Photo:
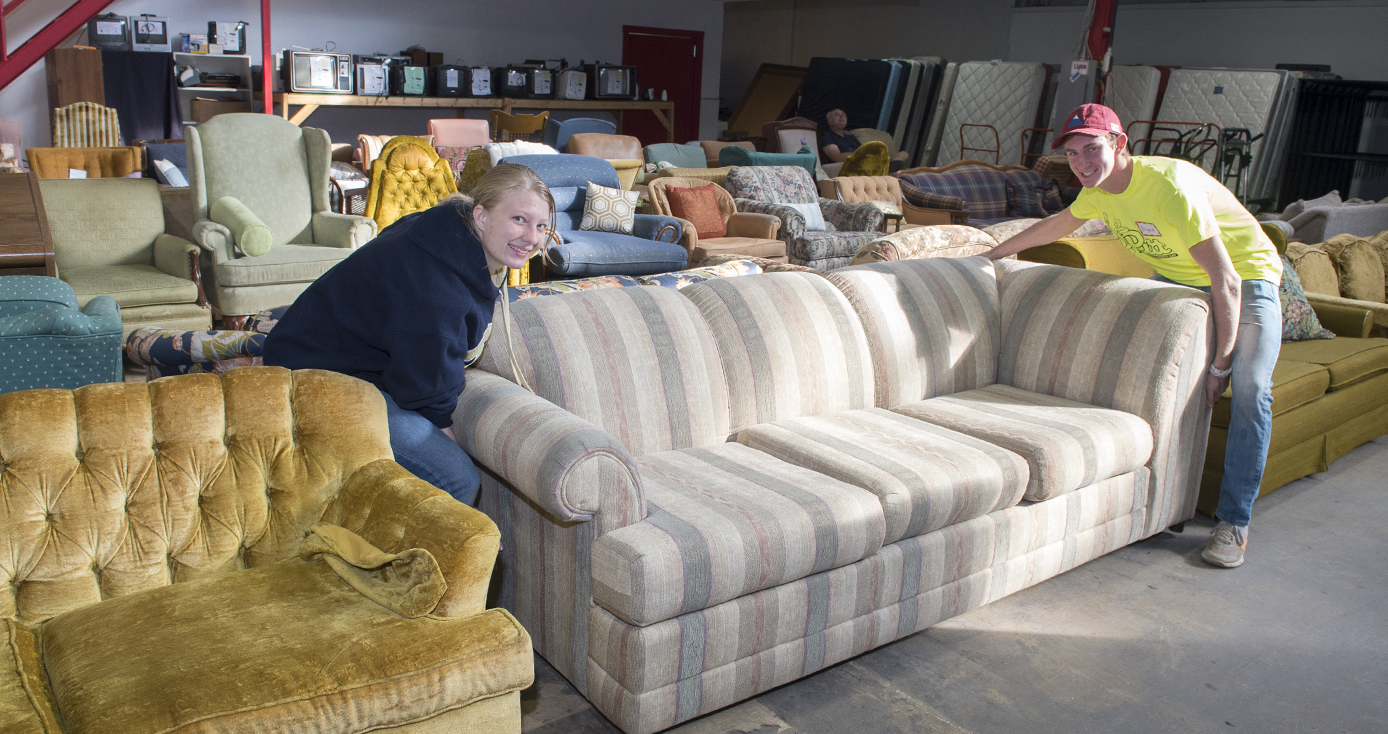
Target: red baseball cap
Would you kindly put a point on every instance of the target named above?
(1088, 119)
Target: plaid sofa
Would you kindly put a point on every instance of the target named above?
(980, 195)
(716, 490)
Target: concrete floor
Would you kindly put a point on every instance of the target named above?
(1145, 639)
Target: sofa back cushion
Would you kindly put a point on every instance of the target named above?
(790, 345)
(638, 363)
(983, 187)
(116, 488)
(678, 155)
(567, 177)
(772, 184)
(103, 221)
(932, 325)
(861, 189)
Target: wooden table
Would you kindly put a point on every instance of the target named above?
(663, 111)
(26, 247)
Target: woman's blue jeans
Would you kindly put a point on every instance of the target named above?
(427, 453)
(1250, 408)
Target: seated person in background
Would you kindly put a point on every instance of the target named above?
(412, 308)
(837, 143)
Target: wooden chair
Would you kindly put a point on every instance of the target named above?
(507, 127)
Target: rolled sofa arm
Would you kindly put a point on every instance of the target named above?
(654, 227)
(213, 238)
(394, 510)
(251, 236)
(792, 221)
(851, 217)
(348, 231)
(569, 467)
(1345, 319)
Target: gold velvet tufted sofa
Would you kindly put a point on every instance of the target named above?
(162, 548)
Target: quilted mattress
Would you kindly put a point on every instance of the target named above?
(1132, 93)
(1252, 99)
(1006, 95)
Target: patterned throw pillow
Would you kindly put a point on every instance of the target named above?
(698, 205)
(609, 210)
(456, 155)
(1299, 322)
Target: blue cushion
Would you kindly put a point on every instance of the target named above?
(736, 155)
(586, 254)
(558, 132)
(568, 170)
(175, 153)
(682, 156)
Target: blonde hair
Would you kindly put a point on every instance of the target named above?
(494, 186)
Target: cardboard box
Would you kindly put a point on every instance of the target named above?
(204, 109)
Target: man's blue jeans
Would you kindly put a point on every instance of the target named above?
(1250, 408)
(427, 453)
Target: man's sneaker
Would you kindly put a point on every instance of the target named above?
(1226, 546)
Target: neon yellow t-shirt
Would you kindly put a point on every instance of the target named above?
(1171, 206)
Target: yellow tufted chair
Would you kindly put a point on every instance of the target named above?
(181, 555)
(407, 177)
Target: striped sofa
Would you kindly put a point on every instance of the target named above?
(716, 490)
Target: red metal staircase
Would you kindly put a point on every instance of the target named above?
(58, 30)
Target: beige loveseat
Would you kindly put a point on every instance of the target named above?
(718, 490)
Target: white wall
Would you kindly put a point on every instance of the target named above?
(474, 31)
(1347, 34)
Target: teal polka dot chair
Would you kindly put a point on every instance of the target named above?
(46, 341)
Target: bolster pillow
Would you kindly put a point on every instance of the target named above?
(251, 236)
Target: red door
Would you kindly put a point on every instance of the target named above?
(666, 60)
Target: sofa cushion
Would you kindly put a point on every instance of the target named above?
(723, 521)
(1349, 360)
(772, 184)
(677, 154)
(815, 247)
(926, 477)
(1314, 268)
(983, 187)
(283, 264)
(734, 155)
(790, 345)
(257, 649)
(1294, 384)
(1067, 444)
(130, 285)
(1361, 272)
(636, 362)
(932, 324)
(586, 253)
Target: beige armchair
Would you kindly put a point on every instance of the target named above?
(747, 234)
(273, 175)
(241, 553)
(109, 239)
(863, 189)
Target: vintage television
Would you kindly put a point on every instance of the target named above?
(317, 72)
(513, 80)
(109, 31)
(373, 75)
(229, 34)
(571, 84)
(609, 81)
(479, 81)
(151, 33)
(409, 80)
(395, 81)
(540, 84)
(450, 80)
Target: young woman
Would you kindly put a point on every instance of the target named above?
(411, 309)
(1193, 232)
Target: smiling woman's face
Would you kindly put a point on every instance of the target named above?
(512, 231)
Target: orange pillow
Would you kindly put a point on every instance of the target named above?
(699, 206)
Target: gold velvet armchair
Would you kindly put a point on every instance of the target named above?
(408, 176)
(239, 553)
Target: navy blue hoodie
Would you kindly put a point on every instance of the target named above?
(401, 313)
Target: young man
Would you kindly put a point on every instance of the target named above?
(1193, 232)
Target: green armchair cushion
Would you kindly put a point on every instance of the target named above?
(130, 285)
(735, 155)
(250, 235)
(678, 155)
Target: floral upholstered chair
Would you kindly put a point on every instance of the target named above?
(820, 233)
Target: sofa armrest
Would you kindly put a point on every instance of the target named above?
(348, 231)
(566, 465)
(792, 221)
(689, 235)
(104, 315)
(848, 217)
(748, 224)
(394, 510)
(179, 257)
(1346, 316)
(213, 238)
(656, 227)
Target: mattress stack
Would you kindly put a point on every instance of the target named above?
(1008, 96)
(891, 95)
(1134, 93)
(1260, 100)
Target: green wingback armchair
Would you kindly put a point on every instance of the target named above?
(109, 239)
(260, 201)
